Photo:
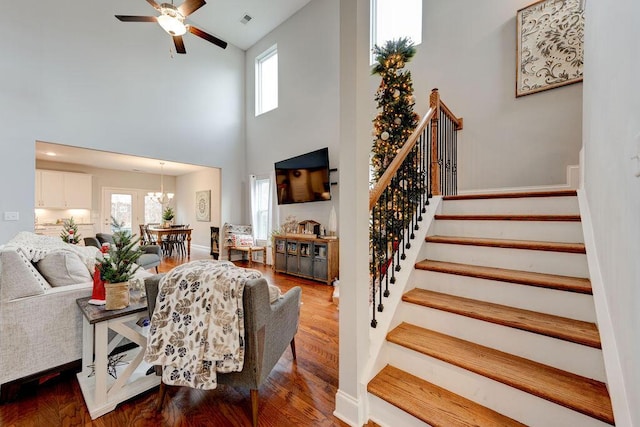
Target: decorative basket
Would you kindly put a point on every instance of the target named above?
(117, 295)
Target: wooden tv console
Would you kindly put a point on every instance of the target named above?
(307, 256)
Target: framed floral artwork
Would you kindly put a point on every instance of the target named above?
(203, 205)
(550, 41)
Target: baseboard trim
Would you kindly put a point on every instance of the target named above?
(349, 409)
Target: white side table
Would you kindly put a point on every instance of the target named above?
(103, 391)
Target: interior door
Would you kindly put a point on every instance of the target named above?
(121, 204)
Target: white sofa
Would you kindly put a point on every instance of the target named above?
(40, 322)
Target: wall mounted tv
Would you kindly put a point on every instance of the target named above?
(304, 178)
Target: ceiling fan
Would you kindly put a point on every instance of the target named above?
(171, 19)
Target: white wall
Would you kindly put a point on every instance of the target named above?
(308, 116)
(74, 74)
(611, 138)
(468, 52)
(186, 188)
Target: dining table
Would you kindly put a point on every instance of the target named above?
(159, 233)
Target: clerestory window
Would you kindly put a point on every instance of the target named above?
(267, 80)
(394, 19)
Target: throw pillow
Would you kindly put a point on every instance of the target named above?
(62, 268)
(18, 276)
(274, 293)
(243, 240)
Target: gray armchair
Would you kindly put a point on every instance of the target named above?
(269, 330)
(151, 254)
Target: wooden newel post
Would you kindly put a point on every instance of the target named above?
(434, 102)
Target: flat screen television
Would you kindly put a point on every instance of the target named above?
(304, 178)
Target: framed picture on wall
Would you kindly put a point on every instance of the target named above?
(550, 45)
(203, 205)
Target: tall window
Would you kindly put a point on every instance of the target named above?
(262, 190)
(152, 210)
(393, 19)
(267, 80)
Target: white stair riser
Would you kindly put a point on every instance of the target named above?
(550, 301)
(385, 414)
(524, 206)
(579, 359)
(545, 231)
(565, 264)
(514, 403)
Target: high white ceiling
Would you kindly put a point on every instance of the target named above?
(221, 18)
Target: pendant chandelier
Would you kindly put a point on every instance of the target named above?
(161, 197)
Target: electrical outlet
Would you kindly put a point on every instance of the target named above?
(11, 216)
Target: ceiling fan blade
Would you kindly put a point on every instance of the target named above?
(190, 6)
(153, 4)
(208, 37)
(177, 40)
(126, 18)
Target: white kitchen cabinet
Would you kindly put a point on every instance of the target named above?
(49, 189)
(62, 190)
(77, 190)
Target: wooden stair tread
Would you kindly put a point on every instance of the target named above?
(551, 281)
(581, 394)
(578, 248)
(572, 330)
(490, 217)
(513, 195)
(432, 404)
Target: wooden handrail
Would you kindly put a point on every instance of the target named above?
(457, 120)
(385, 179)
(432, 117)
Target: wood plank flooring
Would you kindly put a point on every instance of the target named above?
(301, 394)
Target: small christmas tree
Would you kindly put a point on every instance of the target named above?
(118, 262)
(69, 232)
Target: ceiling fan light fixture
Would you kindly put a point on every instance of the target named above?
(172, 25)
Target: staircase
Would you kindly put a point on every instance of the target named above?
(500, 327)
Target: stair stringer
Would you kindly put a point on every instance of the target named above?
(613, 368)
(387, 318)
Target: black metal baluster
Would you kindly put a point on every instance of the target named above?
(373, 266)
(387, 259)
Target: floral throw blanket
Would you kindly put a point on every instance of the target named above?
(197, 327)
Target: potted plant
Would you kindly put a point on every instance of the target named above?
(69, 232)
(167, 215)
(117, 266)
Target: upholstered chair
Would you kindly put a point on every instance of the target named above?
(269, 329)
(151, 254)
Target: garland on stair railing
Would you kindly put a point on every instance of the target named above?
(410, 162)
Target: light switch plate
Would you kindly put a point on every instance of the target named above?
(11, 216)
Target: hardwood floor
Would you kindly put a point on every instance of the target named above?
(295, 394)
